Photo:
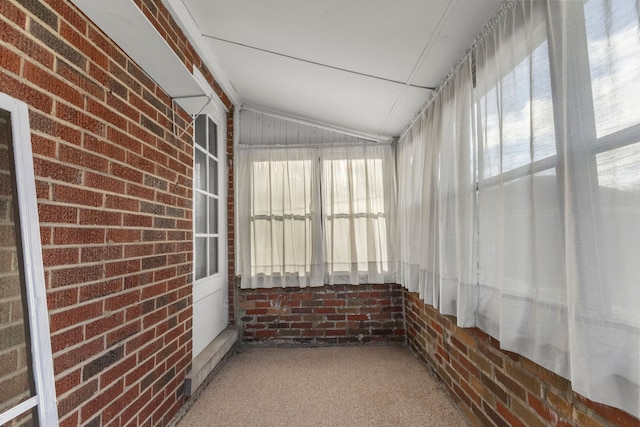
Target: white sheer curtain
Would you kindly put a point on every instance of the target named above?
(358, 194)
(558, 201)
(522, 280)
(309, 216)
(599, 134)
(279, 218)
(436, 198)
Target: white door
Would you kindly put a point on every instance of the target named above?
(210, 297)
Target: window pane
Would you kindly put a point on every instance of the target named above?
(213, 255)
(200, 172)
(200, 212)
(201, 131)
(213, 215)
(614, 60)
(281, 217)
(213, 138)
(27, 419)
(15, 365)
(354, 208)
(521, 237)
(619, 197)
(201, 257)
(517, 116)
(213, 176)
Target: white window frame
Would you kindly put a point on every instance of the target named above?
(42, 360)
(317, 249)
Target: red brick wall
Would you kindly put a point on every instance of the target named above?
(161, 19)
(496, 387)
(114, 197)
(329, 314)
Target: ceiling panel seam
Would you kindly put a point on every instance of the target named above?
(333, 67)
(427, 49)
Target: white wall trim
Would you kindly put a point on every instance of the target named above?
(33, 265)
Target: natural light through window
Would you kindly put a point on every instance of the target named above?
(614, 57)
(316, 216)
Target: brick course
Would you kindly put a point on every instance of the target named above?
(114, 187)
(329, 314)
(496, 387)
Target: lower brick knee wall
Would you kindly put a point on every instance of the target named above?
(328, 314)
(496, 387)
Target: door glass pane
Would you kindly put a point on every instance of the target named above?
(200, 212)
(213, 176)
(27, 419)
(200, 172)
(213, 138)
(201, 257)
(201, 131)
(213, 215)
(213, 259)
(16, 376)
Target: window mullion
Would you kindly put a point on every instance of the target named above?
(575, 125)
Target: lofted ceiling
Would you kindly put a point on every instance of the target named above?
(361, 66)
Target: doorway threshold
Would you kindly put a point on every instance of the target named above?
(209, 358)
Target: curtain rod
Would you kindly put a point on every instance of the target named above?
(486, 28)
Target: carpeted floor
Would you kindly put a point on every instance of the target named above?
(325, 386)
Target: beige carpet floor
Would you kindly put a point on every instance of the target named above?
(324, 386)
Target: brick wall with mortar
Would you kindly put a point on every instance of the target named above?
(114, 195)
(497, 387)
(231, 251)
(329, 314)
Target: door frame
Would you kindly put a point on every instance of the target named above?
(200, 339)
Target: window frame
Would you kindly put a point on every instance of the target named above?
(37, 312)
(320, 216)
(571, 50)
(541, 35)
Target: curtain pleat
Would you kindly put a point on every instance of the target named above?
(279, 218)
(358, 186)
(519, 192)
(436, 201)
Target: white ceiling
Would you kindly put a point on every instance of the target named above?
(348, 64)
(362, 67)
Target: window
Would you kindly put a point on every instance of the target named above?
(315, 216)
(613, 153)
(206, 198)
(519, 200)
(26, 368)
(356, 213)
(284, 218)
(558, 128)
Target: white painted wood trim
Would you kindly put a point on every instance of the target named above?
(18, 410)
(33, 266)
(181, 14)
